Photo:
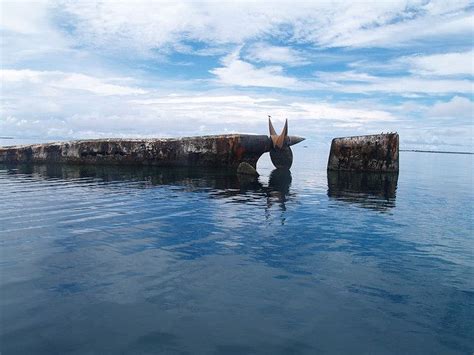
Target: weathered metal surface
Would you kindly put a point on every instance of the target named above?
(247, 169)
(219, 151)
(209, 151)
(378, 153)
(282, 158)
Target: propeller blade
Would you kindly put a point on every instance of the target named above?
(282, 137)
(295, 140)
(270, 126)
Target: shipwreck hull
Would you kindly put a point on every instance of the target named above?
(206, 151)
(371, 153)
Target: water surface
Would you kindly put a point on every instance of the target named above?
(145, 260)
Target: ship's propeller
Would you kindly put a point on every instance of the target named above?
(280, 153)
(283, 139)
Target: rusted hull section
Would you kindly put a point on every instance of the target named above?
(207, 151)
(376, 153)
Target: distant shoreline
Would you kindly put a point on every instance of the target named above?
(434, 151)
(7, 137)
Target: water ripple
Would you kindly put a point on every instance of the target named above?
(148, 259)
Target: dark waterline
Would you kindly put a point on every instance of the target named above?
(144, 260)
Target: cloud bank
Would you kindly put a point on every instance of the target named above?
(77, 69)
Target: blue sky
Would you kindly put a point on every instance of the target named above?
(84, 69)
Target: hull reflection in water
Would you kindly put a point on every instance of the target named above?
(193, 177)
(219, 183)
(370, 190)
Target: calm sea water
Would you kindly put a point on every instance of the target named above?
(178, 261)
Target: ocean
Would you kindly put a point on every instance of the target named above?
(108, 260)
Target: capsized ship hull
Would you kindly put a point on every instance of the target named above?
(211, 151)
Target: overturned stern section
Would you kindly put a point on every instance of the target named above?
(210, 151)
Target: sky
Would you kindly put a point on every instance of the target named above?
(86, 69)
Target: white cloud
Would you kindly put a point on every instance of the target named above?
(262, 52)
(363, 83)
(458, 107)
(145, 25)
(244, 108)
(443, 64)
(402, 85)
(97, 86)
(71, 81)
(25, 75)
(240, 73)
(345, 76)
(71, 105)
(382, 26)
(338, 112)
(203, 100)
(236, 72)
(26, 33)
(163, 25)
(25, 18)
